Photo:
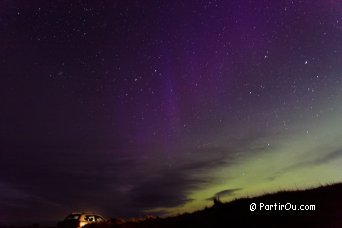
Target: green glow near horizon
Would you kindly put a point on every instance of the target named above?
(302, 159)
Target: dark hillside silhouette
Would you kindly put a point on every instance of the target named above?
(327, 213)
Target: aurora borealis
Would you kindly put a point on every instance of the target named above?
(130, 108)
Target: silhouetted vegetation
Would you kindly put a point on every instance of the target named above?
(217, 202)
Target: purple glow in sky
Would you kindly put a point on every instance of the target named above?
(130, 108)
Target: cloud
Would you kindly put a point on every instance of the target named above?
(108, 177)
(168, 189)
(125, 183)
(337, 154)
(227, 192)
(224, 193)
(169, 186)
(323, 159)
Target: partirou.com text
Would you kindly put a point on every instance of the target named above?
(281, 207)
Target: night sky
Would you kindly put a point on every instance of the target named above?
(129, 108)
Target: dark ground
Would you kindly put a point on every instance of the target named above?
(327, 213)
